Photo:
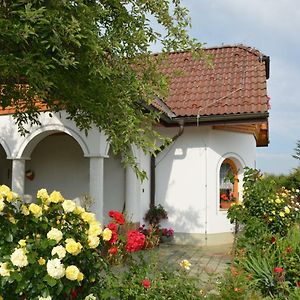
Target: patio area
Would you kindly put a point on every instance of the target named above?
(207, 262)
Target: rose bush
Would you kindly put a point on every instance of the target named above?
(54, 249)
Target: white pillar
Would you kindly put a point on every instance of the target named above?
(18, 176)
(132, 195)
(96, 185)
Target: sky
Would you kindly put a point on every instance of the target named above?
(273, 27)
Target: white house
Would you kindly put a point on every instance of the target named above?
(217, 116)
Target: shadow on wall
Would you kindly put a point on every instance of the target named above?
(188, 220)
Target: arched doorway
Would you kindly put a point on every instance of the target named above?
(5, 168)
(57, 163)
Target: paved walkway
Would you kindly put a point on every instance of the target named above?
(208, 262)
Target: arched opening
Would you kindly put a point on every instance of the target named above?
(228, 184)
(57, 163)
(5, 168)
(114, 184)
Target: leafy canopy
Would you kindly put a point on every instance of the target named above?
(90, 58)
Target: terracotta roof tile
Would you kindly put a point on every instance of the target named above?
(235, 84)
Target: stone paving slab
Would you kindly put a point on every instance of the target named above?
(207, 261)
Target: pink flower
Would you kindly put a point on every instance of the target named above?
(146, 283)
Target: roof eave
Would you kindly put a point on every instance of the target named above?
(220, 119)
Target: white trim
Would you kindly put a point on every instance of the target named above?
(238, 160)
(46, 130)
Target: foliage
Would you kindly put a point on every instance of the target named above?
(155, 214)
(297, 150)
(54, 248)
(92, 59)
(290, 181)
(264, 206)
(266, 262)
(146, 279)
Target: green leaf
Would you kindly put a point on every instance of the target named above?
(50, 280)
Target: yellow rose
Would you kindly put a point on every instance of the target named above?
(106, 234)
(2, 205)
(41, 261)
(22, 243)
(73, 247)
(72, 272)
(185, 264)
(79, 210)
(68, 206)
(4, 270)
(93, 241)
(88, 217)
(43, 195)
(56, 197)
(95, 228)
(80, 276)
(55, 234)
(278, 201)
(287, 210)
(35, 209)
(281, 214)
(9, 196)
(11, 219)
(25, 210)
(6, 192)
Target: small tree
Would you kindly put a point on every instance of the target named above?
(297, 150)
(90, 58)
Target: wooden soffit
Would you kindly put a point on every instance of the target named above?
(259, 130)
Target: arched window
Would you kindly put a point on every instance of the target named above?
(228, 184)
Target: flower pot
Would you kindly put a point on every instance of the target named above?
(166, 239)
(225, 204)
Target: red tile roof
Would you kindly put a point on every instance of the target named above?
(234, 84)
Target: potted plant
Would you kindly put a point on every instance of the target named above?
(226, 198)
(155, 214)
(166, 235)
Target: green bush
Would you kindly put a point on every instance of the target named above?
(145, 279)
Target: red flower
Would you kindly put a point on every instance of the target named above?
(298, 284)
(112, 227)
(278, 270)
(289, 250)
(113, 250)
(119, 218)
(224, 197)
(74, 294)
(146, 283)
(135, 241)
(114, 237)
(273, 240)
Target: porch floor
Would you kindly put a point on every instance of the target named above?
(207, 262)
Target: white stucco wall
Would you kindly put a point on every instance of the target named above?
(187, 176)
(58, 164)
(114, 185)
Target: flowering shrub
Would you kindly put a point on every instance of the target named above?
(277, 210)
(266, 260)
(54, 249)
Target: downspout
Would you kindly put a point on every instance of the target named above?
(153, 165)
(206, 198)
